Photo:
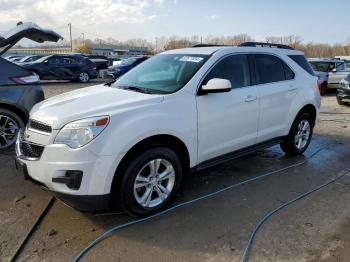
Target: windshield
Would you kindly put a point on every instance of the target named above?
(164, 74)
(322, 66)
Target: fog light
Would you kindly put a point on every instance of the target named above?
(72, 179)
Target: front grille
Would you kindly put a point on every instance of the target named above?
(28, 149)
(39, 126)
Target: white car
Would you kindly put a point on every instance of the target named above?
(131, 143)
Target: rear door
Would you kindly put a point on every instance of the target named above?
(277, 89)
(70, 67)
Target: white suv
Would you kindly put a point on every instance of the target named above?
(131, 142)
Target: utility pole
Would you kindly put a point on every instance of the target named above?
(70, 35)
(83, 39)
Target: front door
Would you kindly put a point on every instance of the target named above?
(228, 121)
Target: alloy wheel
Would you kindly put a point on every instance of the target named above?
(303, 134)
(154, 183)
(8, 131)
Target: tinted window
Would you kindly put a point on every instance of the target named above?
(55, 60)
(269, 69)
(303, 63)
(234, 68)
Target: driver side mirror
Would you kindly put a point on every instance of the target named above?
(216, 85)
(334, 70)
(46, 62)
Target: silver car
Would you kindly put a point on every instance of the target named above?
(330, 71)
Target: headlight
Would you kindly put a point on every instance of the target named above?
(78, 133)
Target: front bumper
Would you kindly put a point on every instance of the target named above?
(56, 162)
(86, 203)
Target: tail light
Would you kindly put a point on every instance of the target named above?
(319, 84)
(26, 79)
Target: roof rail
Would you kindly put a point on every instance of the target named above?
(262, 44)
(206, 45)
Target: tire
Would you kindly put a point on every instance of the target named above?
(133, 194)
(323, 90)
(10, 123)
(83, 77)
(303, 128)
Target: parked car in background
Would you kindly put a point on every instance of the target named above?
(9, 57)
(127, 64)
(29, 58)
(343, 92)
(16, 59)
(131, 143)
(19, 88)
(101, 61)
(330, 71)
(63, 67)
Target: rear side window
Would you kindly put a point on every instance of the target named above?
(234, 68)
(269, 69)
(303, 63)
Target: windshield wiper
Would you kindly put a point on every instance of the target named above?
(135, 88)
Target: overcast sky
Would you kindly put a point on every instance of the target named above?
(319, 21)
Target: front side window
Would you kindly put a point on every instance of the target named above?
(163, 74)
(269, 69)
(341, 66)
(234, 68)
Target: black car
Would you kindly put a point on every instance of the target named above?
(343, 93)
(19, 88)
(63, 67)
(127, 64)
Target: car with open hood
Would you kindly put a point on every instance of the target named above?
(19, 88)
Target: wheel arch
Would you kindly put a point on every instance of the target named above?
(16, 109)
(170, 141)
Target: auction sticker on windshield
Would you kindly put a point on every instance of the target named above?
(194, 59)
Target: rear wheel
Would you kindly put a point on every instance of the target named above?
(151, 181)
(10, 123)
(84, 77)
(299, 136)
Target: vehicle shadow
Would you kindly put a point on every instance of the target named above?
(222, 222)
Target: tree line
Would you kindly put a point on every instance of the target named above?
(311, 49)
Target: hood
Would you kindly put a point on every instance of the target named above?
(89, 102)
(27, 30)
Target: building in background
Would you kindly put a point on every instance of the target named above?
(97, 49)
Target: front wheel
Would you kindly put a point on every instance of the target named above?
(84, 77)
(299, 136)
(151, 181)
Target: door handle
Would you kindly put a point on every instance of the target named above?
(250, 98)
(291, 88)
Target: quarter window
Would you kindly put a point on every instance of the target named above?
(234, 68)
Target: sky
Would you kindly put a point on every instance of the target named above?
(314, 20)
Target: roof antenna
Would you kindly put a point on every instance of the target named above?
(19, 23)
